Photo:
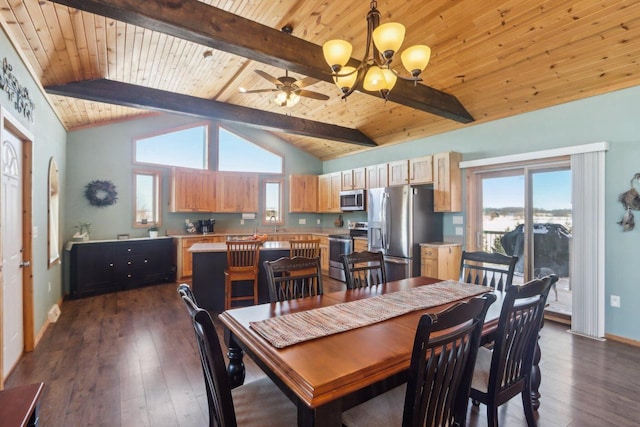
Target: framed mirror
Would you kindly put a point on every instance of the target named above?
(53, 207)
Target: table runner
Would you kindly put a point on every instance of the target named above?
(294, 328)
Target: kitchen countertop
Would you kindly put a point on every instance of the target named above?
(440, 244)
(247, 233)
(222, 247)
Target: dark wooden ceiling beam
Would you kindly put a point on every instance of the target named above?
(200, 23)
(129, 95)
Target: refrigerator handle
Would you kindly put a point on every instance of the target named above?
(383, 217)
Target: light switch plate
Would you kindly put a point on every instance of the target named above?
(615, 300)
(459, 231)
(302, 221)
(457, 219)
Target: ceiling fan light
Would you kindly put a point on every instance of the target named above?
(374, 80)
(388, 38)
(346, 79)
(416, 58)
(337, 53)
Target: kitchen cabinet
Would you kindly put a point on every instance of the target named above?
(192, 190)
(182, 256)
(398, 172)
(237, 192)
(360, 244)
(447, 182)
(324, 252)
(329, 187)
(354, 179)
(109, 266)
(421, 170)
(440, 260)
(303, 193)
(377, 176)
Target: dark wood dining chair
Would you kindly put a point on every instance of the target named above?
(505, 371)
(437, 390)
(291, 278)
(242, 265)
(363, 269)
(487, 269)
(258, 403)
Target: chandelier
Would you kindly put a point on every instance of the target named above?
(374, 71)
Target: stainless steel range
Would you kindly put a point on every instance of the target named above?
(340, 244)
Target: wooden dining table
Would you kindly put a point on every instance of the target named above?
(328, 375)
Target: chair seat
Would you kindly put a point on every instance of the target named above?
(480, 380)
(262, 403)
(382, 411)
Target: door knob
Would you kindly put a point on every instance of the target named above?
(25, 264)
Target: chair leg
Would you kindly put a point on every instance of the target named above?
(255, 290)
(492, 415)
(528, 405)
(227, 293)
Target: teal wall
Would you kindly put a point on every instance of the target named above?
(106, 153)
(612, 118)
(49, 140)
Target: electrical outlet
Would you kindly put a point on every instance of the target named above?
(615, 301)
(318, 221)
(457, 219)
(302, 221)
(459, 231)
(49, 286)
(242, 222)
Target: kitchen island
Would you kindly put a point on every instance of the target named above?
(209, 262)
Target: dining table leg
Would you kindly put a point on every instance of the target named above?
(235, 370)
(328, 415)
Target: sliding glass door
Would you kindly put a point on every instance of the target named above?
(525, 210)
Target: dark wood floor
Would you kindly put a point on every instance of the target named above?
(129, 359)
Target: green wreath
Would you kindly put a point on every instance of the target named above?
(101, 193)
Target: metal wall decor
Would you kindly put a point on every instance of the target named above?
(16, 92)
(630, 200)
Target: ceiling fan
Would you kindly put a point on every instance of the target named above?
(289, 89)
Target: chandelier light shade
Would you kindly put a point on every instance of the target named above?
(374, 71)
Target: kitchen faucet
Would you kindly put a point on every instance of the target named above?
(275, 224)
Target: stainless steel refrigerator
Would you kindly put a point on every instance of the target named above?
(400, 218)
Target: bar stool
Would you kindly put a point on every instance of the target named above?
(309, 248)
(242, 265)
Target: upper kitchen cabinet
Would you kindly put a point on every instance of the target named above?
(377, 175)
(398, 172)
(354, 179)
(447, 182)
(329, 187)
(421, 170)
(193, 190)
(237, 192)
(303, 193)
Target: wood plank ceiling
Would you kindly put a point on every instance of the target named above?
(497, 57)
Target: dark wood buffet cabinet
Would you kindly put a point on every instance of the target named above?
(108, 266)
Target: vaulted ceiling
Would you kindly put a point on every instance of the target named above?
(490, 59)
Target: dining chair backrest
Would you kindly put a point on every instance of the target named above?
(510, 362)
(291, 278)
(309, 248)
(488, 269)
(442, 365)
(243, 255)
(220, 400)
(184, 290)
(363, 269)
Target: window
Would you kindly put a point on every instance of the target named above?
(146, 198)
(273, 202)
(182, 148)
(236, 154)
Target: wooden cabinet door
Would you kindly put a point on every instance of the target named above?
(329, 186)
(237, 192)
(347, 180)
(324, 253)
(303, 193)
(447, 182)
(209, 197)
(377, 176)
(192, 190)
(360, 245)
(398, 172)
(421, 170)
(359, 178)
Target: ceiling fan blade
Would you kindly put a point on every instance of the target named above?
(260, 90)
(268, 77)
(314, 95)
(307, 81)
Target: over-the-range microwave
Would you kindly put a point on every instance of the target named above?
(353, 200)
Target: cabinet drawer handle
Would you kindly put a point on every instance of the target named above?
(111, 265)
(128, 262)
(129, 276)
(128, 249)
(146, 261)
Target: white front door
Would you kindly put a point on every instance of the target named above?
(11, 229)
